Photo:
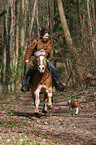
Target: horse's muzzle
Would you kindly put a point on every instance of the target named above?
(41, 68)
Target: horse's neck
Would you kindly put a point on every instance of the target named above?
(45, 72)
(39, 74)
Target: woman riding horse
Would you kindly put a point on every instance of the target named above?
(41, 82)
(43, 43)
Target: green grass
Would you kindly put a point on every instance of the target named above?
(24, 141)
(18, 141)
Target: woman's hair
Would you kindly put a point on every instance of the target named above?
(44, 31)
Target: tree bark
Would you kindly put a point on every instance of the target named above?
(90, 27)
(17, 35)
(1, 45)
(75, 57)
(32, 19)
(37, 18)
(5, 37)
(23, 25)
(64, 24)
(11, 36)
(94, 15)
(68, 38)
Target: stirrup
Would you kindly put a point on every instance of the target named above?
(25, 88)
(59, 87)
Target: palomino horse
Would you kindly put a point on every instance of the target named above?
(41, 81)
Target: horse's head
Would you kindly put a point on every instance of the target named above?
(41, 60)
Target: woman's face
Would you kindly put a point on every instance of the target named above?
(45, 37)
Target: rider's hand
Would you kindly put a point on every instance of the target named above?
(27, 61)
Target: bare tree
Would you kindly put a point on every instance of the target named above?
(90, 25)
(17, 36)
(64, 24)
(37, 18)
(75, 57)
(11, 34)
(32, 19)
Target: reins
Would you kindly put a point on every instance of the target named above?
(47, 73)
(46, 77)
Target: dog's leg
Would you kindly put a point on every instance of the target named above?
(77, 110)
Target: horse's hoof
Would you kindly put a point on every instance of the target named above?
(44, 111)
(36, 112)
(49, 106)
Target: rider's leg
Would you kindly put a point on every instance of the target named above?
(56, 77)
(54, 70)
(26, 84)
(30, 70)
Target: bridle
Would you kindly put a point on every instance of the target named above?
(46, 69)
(46, 77)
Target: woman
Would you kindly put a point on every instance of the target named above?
(43, 43)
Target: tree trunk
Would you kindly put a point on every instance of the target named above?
(38, 26)
(23, 25)
(11, 36)
(90, 29)
(1, 46)
(5, 37)
(64, 24)
(17, 35)
(68, 38)
(75, 57)
(10, 52)
(32, 19)
(94, 14)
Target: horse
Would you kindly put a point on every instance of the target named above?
(41, 81)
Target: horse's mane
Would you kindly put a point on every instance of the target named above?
(41, 52)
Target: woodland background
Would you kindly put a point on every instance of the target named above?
(72, 25)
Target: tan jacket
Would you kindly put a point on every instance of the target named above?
(40, 45)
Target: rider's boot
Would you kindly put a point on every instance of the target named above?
(26, 86)
(57, 84)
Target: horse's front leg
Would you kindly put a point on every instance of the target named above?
(49, 98)
(37, 101)
(45, 103)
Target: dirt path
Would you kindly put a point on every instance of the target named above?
(58, 126)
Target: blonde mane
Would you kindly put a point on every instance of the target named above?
(41, 52)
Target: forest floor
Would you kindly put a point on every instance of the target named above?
(19, 125)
